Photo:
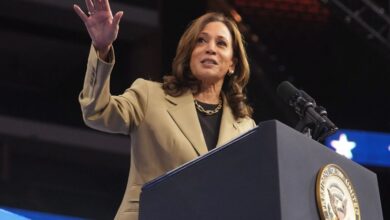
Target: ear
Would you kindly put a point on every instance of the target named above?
(232, 67)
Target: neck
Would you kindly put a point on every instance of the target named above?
(209, 93)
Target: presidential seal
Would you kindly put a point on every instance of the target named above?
(336, 197)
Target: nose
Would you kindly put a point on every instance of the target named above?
(211, 48)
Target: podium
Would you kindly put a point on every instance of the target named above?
(267, 173)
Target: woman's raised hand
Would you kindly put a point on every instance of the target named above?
(101, 25)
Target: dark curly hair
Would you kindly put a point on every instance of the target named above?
(182, 79)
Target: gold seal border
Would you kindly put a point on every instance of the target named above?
(321, 177)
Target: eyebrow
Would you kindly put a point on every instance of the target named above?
(218, 36)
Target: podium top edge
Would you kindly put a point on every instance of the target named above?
(179, 169)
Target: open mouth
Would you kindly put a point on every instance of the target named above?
(209, 61)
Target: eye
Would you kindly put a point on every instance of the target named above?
(201, 40)
(221, 43)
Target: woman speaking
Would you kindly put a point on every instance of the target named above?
(199, 106)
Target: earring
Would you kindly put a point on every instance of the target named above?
(231, 72)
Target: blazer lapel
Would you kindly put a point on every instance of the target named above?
(229, 127)
(184, 114)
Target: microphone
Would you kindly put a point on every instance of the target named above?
(302, 104)
(319, 109)
(312, 116)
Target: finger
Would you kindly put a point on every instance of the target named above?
(117, 18)
(80, 13)
(90, 6)
(106, 5)
(98, 4)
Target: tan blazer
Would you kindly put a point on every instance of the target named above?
(164, 131)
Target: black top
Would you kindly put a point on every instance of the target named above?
(210, 124)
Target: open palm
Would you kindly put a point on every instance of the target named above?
(101, 25)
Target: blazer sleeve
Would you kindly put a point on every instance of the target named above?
(106, 112)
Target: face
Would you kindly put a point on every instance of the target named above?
(212, 56)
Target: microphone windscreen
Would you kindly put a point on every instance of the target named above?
(287, 91)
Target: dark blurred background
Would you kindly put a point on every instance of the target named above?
(337, 51)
